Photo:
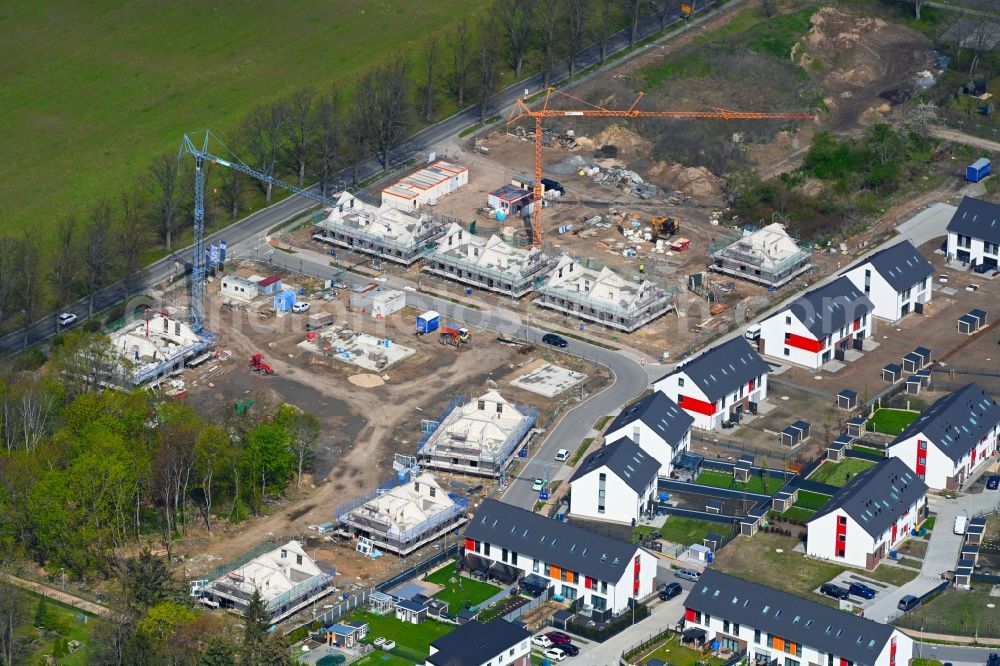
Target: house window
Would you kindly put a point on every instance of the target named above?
(697, 617)
(787, 351)
(922, 460)
(840, 552)
(788, 320)
(513, 558)
(680, 381)
(736, 630)
(569, 592)
(433, 491)
(482, 405)
(841, 520)
(535, 566)
(601, 481)
(486, 549)
(604, 587)
(756, 636)
(298, 559)
(842, 538)
(922, 445)
(503, 554)
(599, 603)
(791, 662)
(725, 626)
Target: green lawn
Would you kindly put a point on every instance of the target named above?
(379, 658)
(798, 513)
(929, 523)
(868, 449)
(810, 500)
(674, 653)
(717, 479)
(893, 575)
(414, 638)
(891, 421)
(581, 451)
(93, 91)
(959, 612)
(63, 620)
(687, 531)
(836, 474)
(473, 591)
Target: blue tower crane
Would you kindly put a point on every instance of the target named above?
(201, 155)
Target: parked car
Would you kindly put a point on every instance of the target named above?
(688, 574)
(553, 185)
(982, 269)
(554, 340)
(670, 590)
(861, 590)
(993, 482)
(993, 660)
(538, 484)
(835, 591)
(570, 649)
(301, 306)
(555, 654)
(558, 637)
(541, 640)
(66, 318)
(562, 455)
(908, 603)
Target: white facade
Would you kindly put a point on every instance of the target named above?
(239, 288)
(517, 655)
(890, 304)
(425, 187)
(837, 536)
(971, 250)
(785, 337)
(603, 495)
(651, 442)
(936, 468)
(707, 414)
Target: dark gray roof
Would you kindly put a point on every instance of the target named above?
(831, 307)
(956, 422)
(411, 605)
(626, 460)
(722, 369)
(878, 496)
(795, 619)
(901, 265)
(658, 412)
(534, 535)
(978, 219)
(476, 643)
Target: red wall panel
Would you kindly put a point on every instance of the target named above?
(695, 405)
(802, 342)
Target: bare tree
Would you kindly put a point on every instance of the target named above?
(264, 130)
(12, 614)
(769, 8)
(167, 192)
(549, 20)
(65, 269)
(132, 241)
(605, 27)
(97, 252)
(487, 65)
(8, 274)
(574, 30)
(382, 98)
(633, 8)
(300, 130)
(29, 269)
(230, 191)
(460, 43)
(981, 40)
(430, 67)
(357, 144)
(917, 6)
(665, 8)
(516, 17)
(328, 139)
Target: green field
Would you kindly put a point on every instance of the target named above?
(810, 500)
(891, 421)
(960, 612)
(798, 513)
(717, 479)
(412, 638)
(687, 531)
(472, 591)
(93, 91)
(68, 623)
(836, 473)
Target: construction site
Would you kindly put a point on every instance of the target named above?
(158, 345)
(766, 256)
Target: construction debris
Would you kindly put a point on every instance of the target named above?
(626, 180)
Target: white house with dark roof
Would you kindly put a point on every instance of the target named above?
(657, 425)
(948, 441)
(605, 573)
(615, 483)
(869, 516)
(820, 326)
(719, 384)
(974, 233)
(781, 629)
(896, 279)
(494, 643)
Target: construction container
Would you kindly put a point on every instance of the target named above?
(318, 320)
(379, 303)
(978, 170)
(283, 301)
(428, 322)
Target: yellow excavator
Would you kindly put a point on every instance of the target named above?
(665, 227)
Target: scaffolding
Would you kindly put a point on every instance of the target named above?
(356, 237)
(490, 278)
(657, 301)
(768, 256)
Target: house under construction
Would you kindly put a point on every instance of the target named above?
(476, 437)
(603, 296)
(157, 346)
(403, 514)
(768, 256)
(487, 263)
(385, 232)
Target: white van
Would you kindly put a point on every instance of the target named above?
(752, 333)
(960, 524)
(562, 455)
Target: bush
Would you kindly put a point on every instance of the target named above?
(613, 628)
(298, 634)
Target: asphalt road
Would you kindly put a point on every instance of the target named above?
(266, 219)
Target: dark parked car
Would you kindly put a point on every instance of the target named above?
(553, 185)
(558, 637)
(554, 340)
(908, 603)
(861, 590)
(993, 482)
(835, 591)
(982, 269)
(670, 590)
(570, 649)
(993, 660)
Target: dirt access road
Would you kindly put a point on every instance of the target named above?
(961, 137)
(61, 597)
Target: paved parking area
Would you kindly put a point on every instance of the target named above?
(882, 590)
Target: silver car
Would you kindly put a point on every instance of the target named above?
(688, 574)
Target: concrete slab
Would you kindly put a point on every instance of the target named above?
(832, 366)
(765, 408)
(852, 355)
(869, 345)
(928, 223)
(949, 291)
(359, 349)
(548, 380)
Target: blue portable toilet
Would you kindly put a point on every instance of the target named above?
(978, 170)
(284, 300)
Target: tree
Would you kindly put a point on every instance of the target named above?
(268, 458)
(211, 454)
(358, 143)
(304, 430)
(664, 9)
(87, 361)
(167, 193)
(11, 616)
(516, 17)
(549, 19)
(917, 6)
(29, 269)
(265, 134)
(163, 620)
(218, 653)
(460, 43)
(230, 191)
(255, 635)
(487, 68)
(920, 118)
(574, 30)
(327, 127)
(605, 26)
(42, 616)
(147, 579)
(65, 267)
(981, 41)
(633, 8)
(132, 241)
(8, 274)
(300, 130)
(97, 251)
(430, 68)
(382, 98)
(769, 8)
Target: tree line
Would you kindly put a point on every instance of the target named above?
(308, 136)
